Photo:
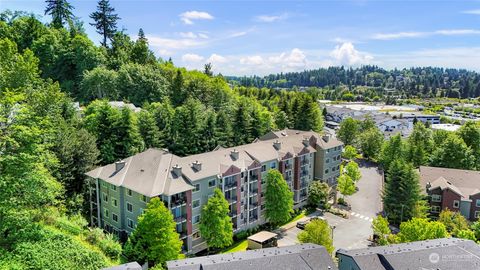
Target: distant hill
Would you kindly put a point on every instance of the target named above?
(421, 81)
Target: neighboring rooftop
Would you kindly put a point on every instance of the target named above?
(463, 182)
(447, 127)
(298, 257)
(151, 172)
(126, 266)
(262, 236)
(444, 254)
(121, 105)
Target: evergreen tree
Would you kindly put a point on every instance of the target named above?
(223, 129)
(278, 198)
(105, 20)
(242, 128)
(128, 140)
(186, 128)
(208, 134)
(402, 192)
(470, 133)
(148, 129)
(141, 54)
(208, 70)
(60, 10)
(393, 149)
(178, 93)
(420, 144)
(453, 153)
(155, 239)
(216, 226)
(281, 120)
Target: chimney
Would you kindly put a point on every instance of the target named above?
(197, 166)
(428, 186)
(277, 145)
(306, 141)
(177, 170)
(326, 138)
(119, 165)
(234, 154)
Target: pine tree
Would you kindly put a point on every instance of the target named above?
(216, 226)
(178, 93)
(155, 239)
(105, 20)
(141, 54)
(60, 10)
(402, 192)
(420, 144)
(128, 140)
(278, 198)
(392, 149)
(242, 128)
(148, 129)
(208, 70)
(223, 129)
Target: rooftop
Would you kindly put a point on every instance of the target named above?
(298, 257)
(262, 236)
(445, 254)
(463, 182)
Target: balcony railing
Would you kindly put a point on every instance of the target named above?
(177, 202)
(231, 200)
(253, 191)
(305, 162)
(253, 204)
(288, 166)
(303, 173)
(229, 185)
(253, 218)
(253, 177)
(181, 218)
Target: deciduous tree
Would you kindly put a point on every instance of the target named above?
(317, 232)
(216, 226)
(278, 198)
(349, 131)
(318, 194)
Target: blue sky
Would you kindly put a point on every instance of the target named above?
(262, 37)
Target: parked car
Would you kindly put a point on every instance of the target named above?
(302, 224)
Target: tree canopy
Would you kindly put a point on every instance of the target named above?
(278, 198)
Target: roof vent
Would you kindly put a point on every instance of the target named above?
(277, 145)
(197, 166)
(177, 170)
(119, 165)
(326, 138)
(234, 153)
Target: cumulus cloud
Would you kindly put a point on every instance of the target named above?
(191, 58)
(174, 44)
(295, 59)
(216, 58)
(251, 60)
(346, 54)
(472, 11)
(271, 18)
(189, 17)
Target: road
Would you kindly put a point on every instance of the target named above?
(351, 233)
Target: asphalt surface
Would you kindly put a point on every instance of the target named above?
(354, 232)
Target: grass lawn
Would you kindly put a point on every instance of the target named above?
(299, 216)
(239, 246)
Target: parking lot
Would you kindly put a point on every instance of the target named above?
(355, 231)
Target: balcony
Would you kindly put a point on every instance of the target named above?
(232, 214)
(253, 177)
(230, 185)
(181, 218)
(305, 162)
(177, 200)
(303, 173)
(253, 218)
(231, 200)
(253, 190)
(253, 205)
(288, 166)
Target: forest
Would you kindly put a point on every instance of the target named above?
(47, 143)
(405, 83)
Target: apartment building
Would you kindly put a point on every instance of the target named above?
(453, 189)
(120, 191)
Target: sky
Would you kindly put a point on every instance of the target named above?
(263, 37)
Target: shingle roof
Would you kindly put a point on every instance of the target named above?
(298, 257)
(126, 266)
(445, 254)
(464, 182)
(150, 172)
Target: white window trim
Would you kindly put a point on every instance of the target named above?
(198, 204)
(456, 202)
(126, 207)
(129, 191)
(436, 196)
(477, 214)
(195, 191)
(116, 221)
(113, 187)
(105, 213)
(193, 219)
(103, 197)
(113, 200)
(435, 209)
(477, 203)
(214, 185)
(128, 221)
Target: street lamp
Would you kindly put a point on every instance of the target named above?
(332, 228)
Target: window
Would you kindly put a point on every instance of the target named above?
(105, 185)
(273, 165)
(264, 168)
(197, 188)
(114, 202)
(436, 198)
(327, 160)
(456, 204)
(338, 167)
(105, 213)
(105, 197)
(196, 204)
(129, 192)
(435, 209)
(130, 223)
(211, 183)
(477, 203)
(129, 207)
(196, 219)
(326, 171)
(339, 157)
(144, 198)
(115, 217)
(113, 187)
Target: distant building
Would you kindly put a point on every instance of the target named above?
(438, 254)
(432, 119)
(298, 257)
(121, 105)
(120, 191)
(447, 127)
(453, 189)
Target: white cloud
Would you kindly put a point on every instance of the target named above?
(238, 34)
(216, 58)
(295, 59)
(192, 58)
(174, 44)
(271, 18)
(188, 35)
(251, 60)
(189, 17)
(445, 32)
(472, 11)
(346, 54)
(202, 35)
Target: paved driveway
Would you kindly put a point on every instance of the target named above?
(351, 233)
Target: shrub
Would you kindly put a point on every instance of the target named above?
(110, 246)
(93, 236)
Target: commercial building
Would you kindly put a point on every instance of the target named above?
(119, 192)
(444, 254)
(298, 257)
(453, 189)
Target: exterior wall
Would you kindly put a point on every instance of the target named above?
(448, 197)
(474, 207)
(435, 205)
(346, 263)
(327, 164)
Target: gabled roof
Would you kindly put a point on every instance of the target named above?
(297, 257)
(463, 182)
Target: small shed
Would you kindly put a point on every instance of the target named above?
(262, 239)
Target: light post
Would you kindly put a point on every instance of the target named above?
(332, 228)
